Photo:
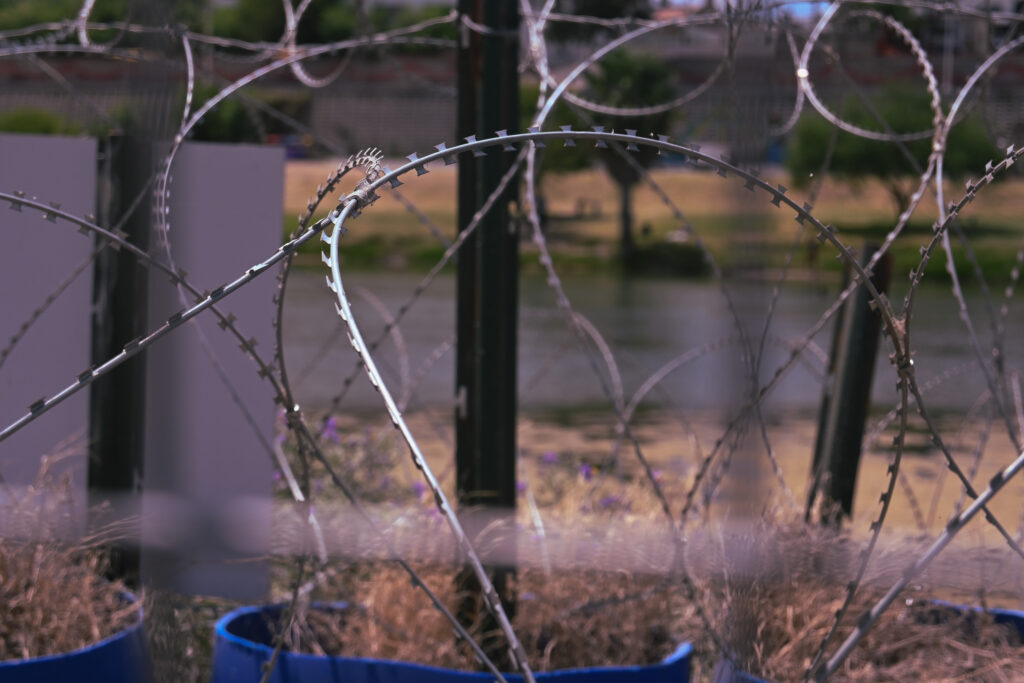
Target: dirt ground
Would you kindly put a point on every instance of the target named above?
(570, 481)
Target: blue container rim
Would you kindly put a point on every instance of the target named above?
(123, 633)
(221, 632)
(1001, 615)
(995, 611)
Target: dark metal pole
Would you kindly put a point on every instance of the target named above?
(824, 409)
(117, 401)
(120, 293)
(488, 282)
(837, 457)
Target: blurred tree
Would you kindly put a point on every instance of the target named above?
(564, 31)
(326, 21)
(229, 121)
(623, 79)
(23, 13)
(564, 160)
(37, 121)
(407, 16)
(854, 158)
(250, 20)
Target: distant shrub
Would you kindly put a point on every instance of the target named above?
(227, 122)
(38, 121)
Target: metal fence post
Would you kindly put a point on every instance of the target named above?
(488, 284)
(845, 407)
(117, 401)
(120, 292)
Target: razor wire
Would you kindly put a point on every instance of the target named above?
(1003, 390)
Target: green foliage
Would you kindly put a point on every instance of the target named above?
(561, 31)
(227, 122)
(324, 21)
(385, 19)
(407, 16)
(667, 258)
(250, 20)
(623, 79)
(566, 159)
(293, 104)
(22, 13)
(337, 22)
(16, 14)
(854, 158)
(44, 122)
(37, 121)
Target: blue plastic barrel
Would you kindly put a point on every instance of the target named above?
(243, 642)
(1000, 616)
(121, 658)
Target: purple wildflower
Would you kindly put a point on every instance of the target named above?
(610, 502)
(419, 488)
(330, 430)
(549, 458)
(586, 472)
(521, 486)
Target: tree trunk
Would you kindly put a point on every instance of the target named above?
(900, 197)
(626, 246)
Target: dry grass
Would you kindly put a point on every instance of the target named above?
(772, 603)
(771, 595)
(53, 595)
(772, 623)
(54, 600)
(179, 633)
(433, 194)
(914, 641)
(564, 620)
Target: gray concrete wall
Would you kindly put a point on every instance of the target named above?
(207, 475)
(37, 256)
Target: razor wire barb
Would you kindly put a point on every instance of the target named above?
(1003, 393)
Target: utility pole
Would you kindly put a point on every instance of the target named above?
(487, 290)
